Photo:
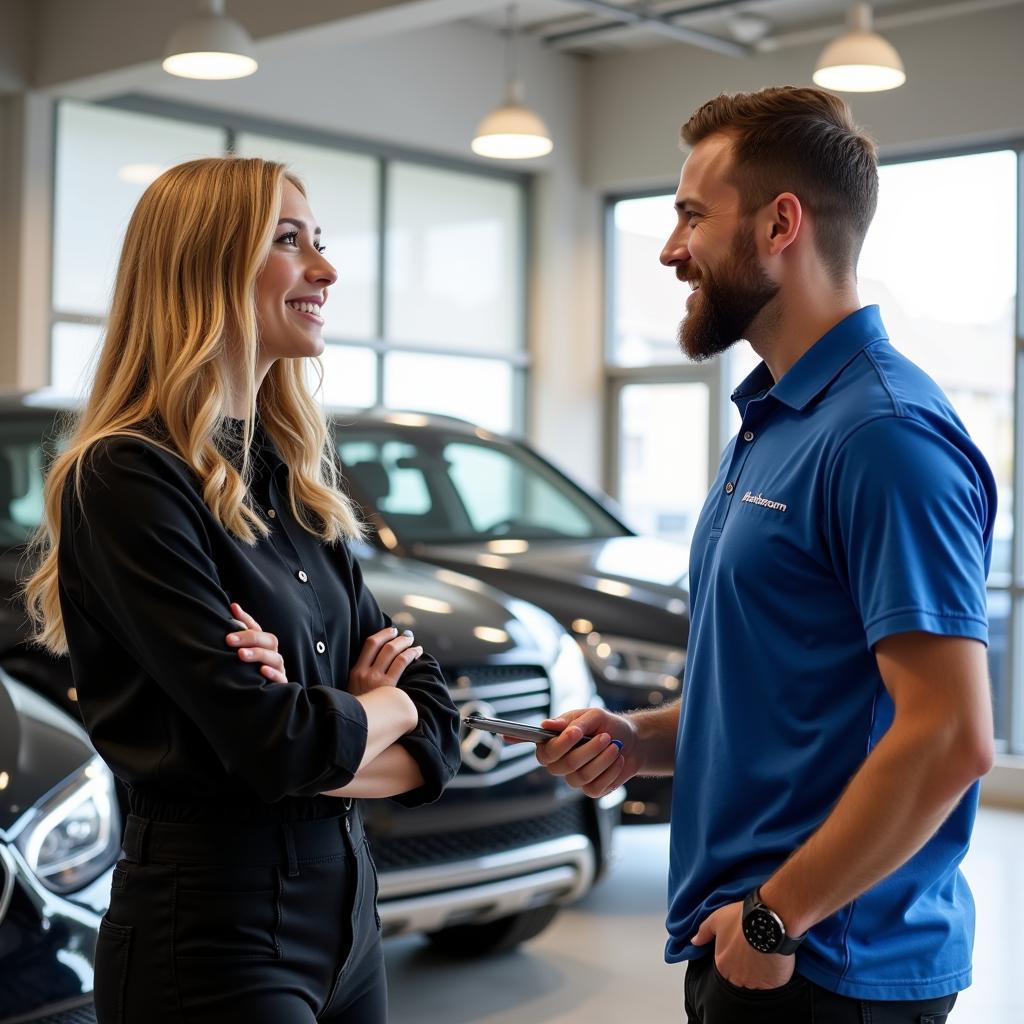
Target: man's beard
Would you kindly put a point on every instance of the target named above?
(728, 302)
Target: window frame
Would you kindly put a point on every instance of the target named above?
(233, 124)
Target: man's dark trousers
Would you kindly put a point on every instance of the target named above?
(710, 999)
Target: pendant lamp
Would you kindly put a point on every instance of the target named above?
(859, 60)
(512, 131)
(210, 46)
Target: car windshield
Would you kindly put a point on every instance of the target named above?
(434, 487)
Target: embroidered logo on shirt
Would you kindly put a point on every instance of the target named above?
(759, 499)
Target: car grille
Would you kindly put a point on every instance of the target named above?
(519, 692)
(392, 854)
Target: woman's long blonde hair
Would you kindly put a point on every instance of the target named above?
(183, 310)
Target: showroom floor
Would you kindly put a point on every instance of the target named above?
(601, 961)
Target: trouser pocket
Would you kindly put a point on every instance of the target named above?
(113, 949)
(213, 921)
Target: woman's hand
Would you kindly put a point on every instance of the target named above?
(254, 646)
(383, 659)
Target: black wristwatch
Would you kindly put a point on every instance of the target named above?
(764, 930)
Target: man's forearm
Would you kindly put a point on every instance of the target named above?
(656, 730)
(390, 773)
(892, 806)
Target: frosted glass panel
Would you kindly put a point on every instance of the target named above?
(342, 189)
(74, 351)
(105, 160)
(957, 325)
(663, 457)
(350, 377)
(454, 264)
(478, 390)
(647, 300)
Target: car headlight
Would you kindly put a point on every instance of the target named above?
(572, 685)
(74, 835)
(628, 662)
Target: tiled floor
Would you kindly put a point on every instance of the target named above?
(601, 961)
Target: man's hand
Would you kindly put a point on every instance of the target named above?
(597, 767)
(737, 961)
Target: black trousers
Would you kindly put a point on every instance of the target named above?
(710, 999)
(253, 924)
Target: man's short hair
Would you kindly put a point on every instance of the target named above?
(804, 141)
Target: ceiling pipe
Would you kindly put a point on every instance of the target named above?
(655, 23)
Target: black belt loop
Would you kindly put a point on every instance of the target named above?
(289, 845)
(134, 838)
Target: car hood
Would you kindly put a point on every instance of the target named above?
(635, 586)
(40, 746)
(458, 618)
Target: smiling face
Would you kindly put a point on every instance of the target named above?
(714, 249)
(292, 286)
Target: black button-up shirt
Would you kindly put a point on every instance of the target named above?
(146, 578)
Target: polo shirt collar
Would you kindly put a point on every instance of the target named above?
(819, 365)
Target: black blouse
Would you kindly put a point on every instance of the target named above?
(146, 576)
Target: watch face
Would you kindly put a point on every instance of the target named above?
(763, 930)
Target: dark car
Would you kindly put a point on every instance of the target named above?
(60, 833)
(451, 494)
(484, 868)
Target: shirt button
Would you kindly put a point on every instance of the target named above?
(271, 513)
(729, 488)
(348, 825)
(320, 647)
(748, 436)
(302, 576)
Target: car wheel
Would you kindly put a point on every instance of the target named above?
(474, 940)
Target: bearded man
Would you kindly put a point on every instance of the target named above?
(836, 714)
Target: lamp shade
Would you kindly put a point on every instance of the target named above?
(210, 46)
(860, 60)
(512, 132)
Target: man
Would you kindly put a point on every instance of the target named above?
(836, 715)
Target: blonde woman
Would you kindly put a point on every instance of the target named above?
(231, 666)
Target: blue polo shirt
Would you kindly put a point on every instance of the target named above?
(851, 506)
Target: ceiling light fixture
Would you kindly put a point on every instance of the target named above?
(512, 132)
(859, 60)
(210, 46)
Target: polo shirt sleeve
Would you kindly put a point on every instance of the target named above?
(434, 743)
(148, 579)
(910, 514)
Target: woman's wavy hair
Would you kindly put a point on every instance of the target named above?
(184, 309)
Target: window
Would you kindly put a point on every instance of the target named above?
(664, 457)
(664, 436)
(105, 158)
(455, 260)
(946, 283)
(428, 312)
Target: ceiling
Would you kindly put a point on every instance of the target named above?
(732, 26)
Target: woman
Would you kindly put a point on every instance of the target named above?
(198, 498)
